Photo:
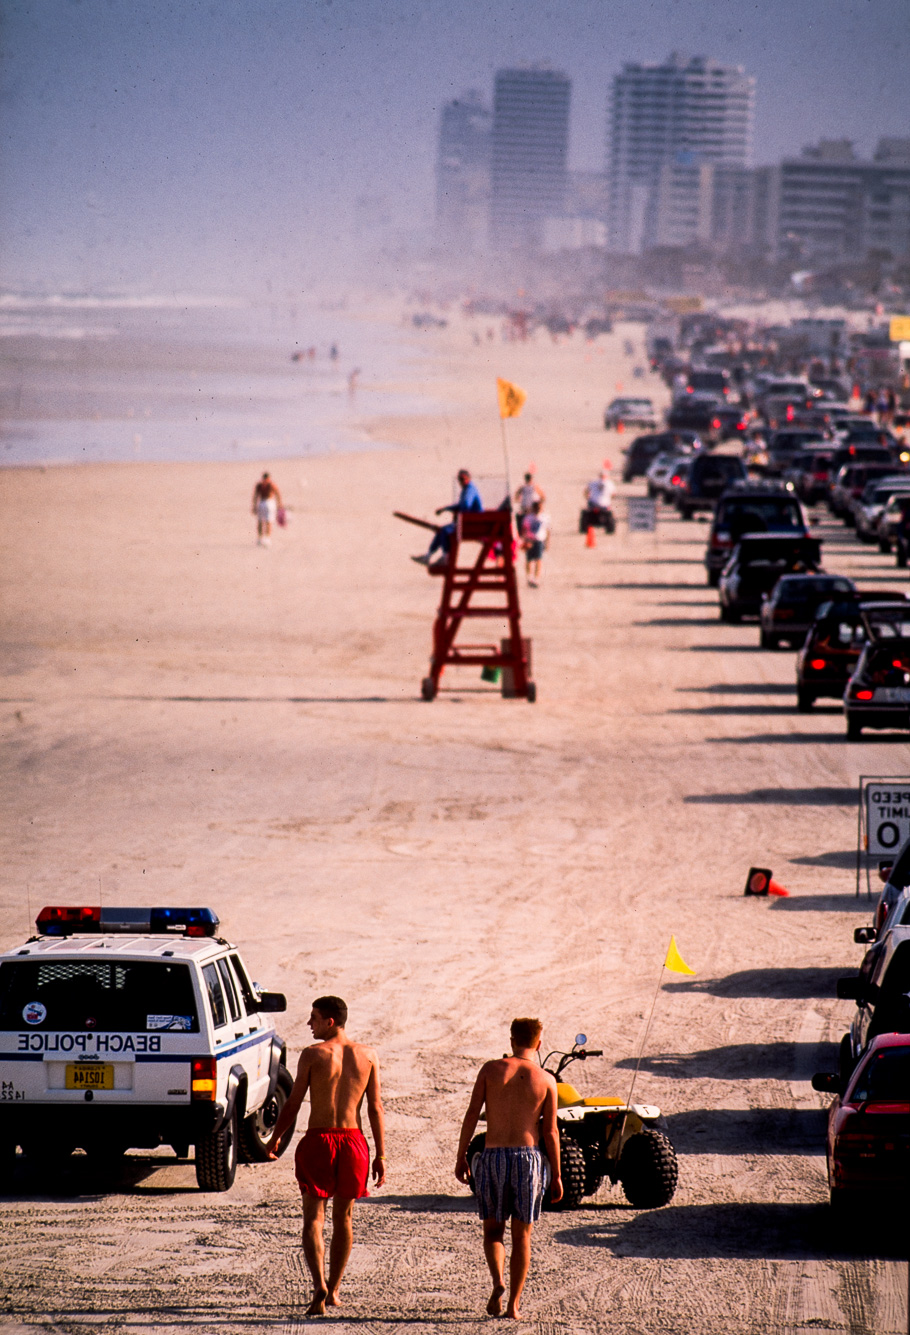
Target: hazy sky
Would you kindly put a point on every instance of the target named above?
(173, 143)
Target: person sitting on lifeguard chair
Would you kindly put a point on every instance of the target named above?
(469, 500)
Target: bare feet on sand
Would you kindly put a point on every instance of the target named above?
(513, 1313)
(332, 1299)
(317, 1306)
(494, 1306)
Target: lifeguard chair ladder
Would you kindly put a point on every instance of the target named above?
(462, 586)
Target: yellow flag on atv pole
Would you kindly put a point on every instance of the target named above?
(676, 964)
(674, 961)
(511, 398)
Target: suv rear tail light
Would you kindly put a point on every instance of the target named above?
(205, 1078)
(818, 664)
(863, 695)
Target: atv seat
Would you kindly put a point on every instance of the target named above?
(569, 1097)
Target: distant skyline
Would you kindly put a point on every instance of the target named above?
(195, 145)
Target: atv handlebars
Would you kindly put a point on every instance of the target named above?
(577, 1054)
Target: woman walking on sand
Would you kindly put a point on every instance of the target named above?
(266, 500)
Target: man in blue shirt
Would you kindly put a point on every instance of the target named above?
(468, 500)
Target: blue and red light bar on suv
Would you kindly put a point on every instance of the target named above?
(66, 920)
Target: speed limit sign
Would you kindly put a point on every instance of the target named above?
(887, 816)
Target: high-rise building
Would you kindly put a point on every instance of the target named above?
(530, 153)
(830, 207)
(463, 173)
(667, 123)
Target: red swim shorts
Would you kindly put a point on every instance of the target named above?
(333, 1162)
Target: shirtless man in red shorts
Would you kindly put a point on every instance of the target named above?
(333, 1158)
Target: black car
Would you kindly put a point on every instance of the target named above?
(645, 449)
(703, 380)
(785, 444)
(810, 473)
(734, 422)
(833, 645)
(752, 507)
(880, 991)
(699, 415)
(708, 478)
(757, 563)
(861, 450)
(878, 693)
(789, 610)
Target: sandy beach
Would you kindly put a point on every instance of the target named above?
(190, 718)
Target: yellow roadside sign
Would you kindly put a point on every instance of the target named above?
(900, 328)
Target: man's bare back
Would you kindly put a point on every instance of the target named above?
(515, 1091)
(337, 1073)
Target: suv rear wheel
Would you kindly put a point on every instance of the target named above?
(256, 1130)
(216, 1156)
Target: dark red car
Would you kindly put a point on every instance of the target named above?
(868, 1145)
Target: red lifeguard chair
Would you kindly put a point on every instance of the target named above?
(466, 593)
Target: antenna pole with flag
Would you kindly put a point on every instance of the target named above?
(676, 964)
(511, 402)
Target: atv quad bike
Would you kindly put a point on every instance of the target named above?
(605, 1137)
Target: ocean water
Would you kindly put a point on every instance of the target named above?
(88, 379)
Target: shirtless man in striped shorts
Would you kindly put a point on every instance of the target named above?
(512, 1173)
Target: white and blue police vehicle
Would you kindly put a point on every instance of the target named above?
(133, 1028)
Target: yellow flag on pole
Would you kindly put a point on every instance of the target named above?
(511, 398)
(675, 961)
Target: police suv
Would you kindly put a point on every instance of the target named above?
(137, 1027)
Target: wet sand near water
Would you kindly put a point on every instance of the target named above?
(188, 718)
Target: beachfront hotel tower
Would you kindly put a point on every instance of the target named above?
(672, 127)
(529, 155)
(463, 174)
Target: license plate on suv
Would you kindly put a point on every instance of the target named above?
(89, 1075)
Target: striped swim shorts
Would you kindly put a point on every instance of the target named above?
(510, 1182)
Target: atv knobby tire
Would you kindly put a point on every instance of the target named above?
(572, 1171)
(648, 1169)
(475, 1147)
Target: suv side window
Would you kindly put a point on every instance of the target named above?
(229, 990)
(215, 994)
(246, 990)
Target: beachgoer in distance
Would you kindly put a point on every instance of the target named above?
(266, 500)
(511, 1174)
(535, 538)
(468, 500)
(526, 495)
(333, 1158)
(599, 493)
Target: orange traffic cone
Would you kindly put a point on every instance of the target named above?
(590, 540)
(760, 881)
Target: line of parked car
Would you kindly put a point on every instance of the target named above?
(868, 1136)
(801, 449)
(764, 560)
